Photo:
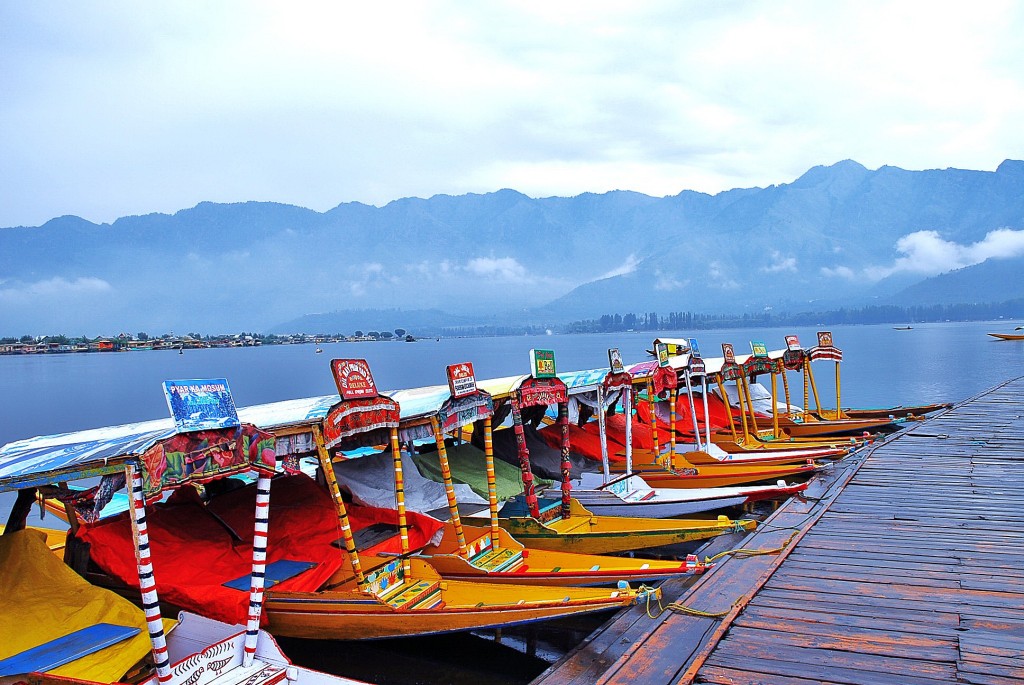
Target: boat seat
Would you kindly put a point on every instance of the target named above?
(65, 649)
(502, 560)
(409, 596)
(275, 572)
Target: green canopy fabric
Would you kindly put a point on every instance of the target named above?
(467, 465)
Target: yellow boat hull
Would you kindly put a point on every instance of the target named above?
(511, 562)
(348, 613)
(585, 533)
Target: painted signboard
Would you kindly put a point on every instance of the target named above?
(461, 379)
(200, 404)
(758, 348)
(793, 343)
(615, 361)
(353, 378)
(729, 353)
(824, 339)
(662, 351)
(542, 363)
(694, 350)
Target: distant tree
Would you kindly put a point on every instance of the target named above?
(374, 334)
(387, 335)
(142, 335)
(400, 332)
(359, 334)
(27, 339)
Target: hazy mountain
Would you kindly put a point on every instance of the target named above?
(840, 234)
(994, 280)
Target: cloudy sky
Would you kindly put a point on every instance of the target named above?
(118, 108)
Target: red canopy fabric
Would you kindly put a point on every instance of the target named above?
(582, 441)
(194, 552)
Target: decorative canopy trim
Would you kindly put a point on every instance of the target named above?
(348, 419)
(544, 392)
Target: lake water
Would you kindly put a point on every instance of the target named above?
(46, 394)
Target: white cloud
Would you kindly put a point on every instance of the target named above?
(667, 282)
(720, 279)
(928, 254)
(780, 264)
(53, 289)
(499, 268)
(627, 267)
(840, 271)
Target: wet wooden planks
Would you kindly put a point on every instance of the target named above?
(908, 569)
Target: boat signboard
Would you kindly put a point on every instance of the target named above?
(461, 379)
(694, 350)
(729, 353)
(824, 338)
(542, 363)
(201, 404)
(758, 348)
(615, 361)
(353, 378)
(662, 350)
(793, 343)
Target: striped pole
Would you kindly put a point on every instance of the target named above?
(349, 540)
(259, 568)
(654, 425)
(673, 396)
(147, 582)
(839, 409)
(707, 420)
(785, 388)
(775, 406)
(728, 408)
(746, 407)
(602, 429)
(492, 482)
(449, 487)
(814, 387)
(403, 525)
(807, 398)
(627, 406)
(693, 409)
(524, 460)
(563, 421)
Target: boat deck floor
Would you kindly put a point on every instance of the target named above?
(903, 564)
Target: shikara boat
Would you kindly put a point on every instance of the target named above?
(1008, 336)
(898, 412)
(56, 627)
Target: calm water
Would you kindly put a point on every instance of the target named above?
(46, 394)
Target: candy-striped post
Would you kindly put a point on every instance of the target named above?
(604, 434)
(403, 525)
(147, 581)
(524, 460)
(563, 421)
(349, 540)
(492, 482)
(449, 487)
(259, 568)
(627, 406)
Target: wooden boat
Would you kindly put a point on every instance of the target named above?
(586, 533)
(1007, 336)
(59, 628)
(898, 412)
(630, 495)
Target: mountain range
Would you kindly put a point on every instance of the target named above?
(839, 235)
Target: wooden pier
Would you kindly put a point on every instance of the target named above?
(903, 565)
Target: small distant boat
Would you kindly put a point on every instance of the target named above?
(903, 328)
(318, 350)
(409, 338)
(1008, 336)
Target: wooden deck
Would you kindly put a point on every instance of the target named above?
(905, 565)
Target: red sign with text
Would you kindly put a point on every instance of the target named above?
(353, 379)
(461, 379)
